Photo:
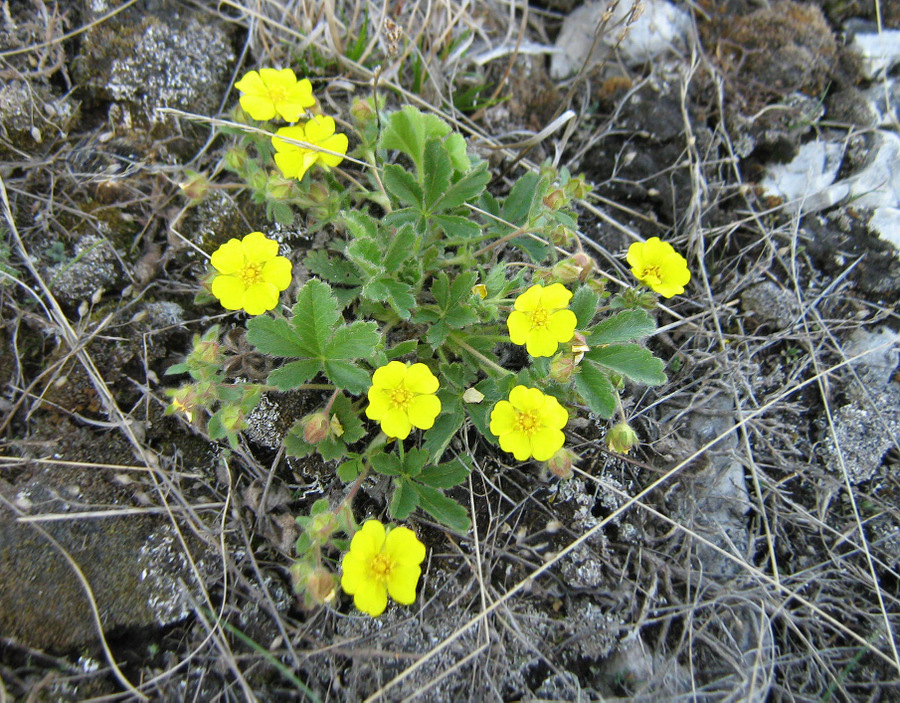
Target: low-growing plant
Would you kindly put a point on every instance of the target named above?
(440, 306)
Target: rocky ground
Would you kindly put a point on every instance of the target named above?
(747, 551)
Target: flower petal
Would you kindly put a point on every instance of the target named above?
(259, 248)
(260, 297)
(338, 143)
(546, 442)
(229, 290)
(530, 299)
(252, 84)
(635, 256)
(379, 403)
(395, 423)
(319, 128)
(402, 581)
(422, 411)
(295, 164)
(555, 296)
(519, 324)
(541, 343)
(389, 376)
(228, 258)
(277, 271)
(356, 569)
(258, 107)
(282, 145)
(371, 598)
(524, 398)
(562, 325)
(516, 443)
(402, 546)
(503, 418)
(369, 539)
(553, 414)
(419, 379)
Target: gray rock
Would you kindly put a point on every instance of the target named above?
(769, 303)
(93, 266)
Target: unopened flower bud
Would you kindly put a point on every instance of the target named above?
(561, 236)
(585, 263)
(621, 438)
(316, 427)
(316, 584)
(578, 187)
(184, 400)
(362, 111)
(480, 290)
(207, 352)
(195, 187)
(258, 180)
(278, 187)
(236, 159)
(579, 347)
(561, 463)
(319, 193)
(233, 419)
(566, 271)
(563, 367)
(555, 199)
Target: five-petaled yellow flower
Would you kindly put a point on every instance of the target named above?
(250, 274)
(272, 91)
(529, 424)
(541, 319)
(403, 397)
(379, 563)
(295, 160)
(657, 264)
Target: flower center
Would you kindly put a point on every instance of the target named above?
(528, 421)
(540, 317)
(251, 273)
(381, 566)
(652, 273)
(277, 93)
(400, 397)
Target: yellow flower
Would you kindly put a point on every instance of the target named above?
(657, 264)
(529, 424)
(250, 274)
(403, 397)
(272, 91)
(541, 320)
(378, 564)
(295, 160)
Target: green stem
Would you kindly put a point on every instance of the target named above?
(490, 365)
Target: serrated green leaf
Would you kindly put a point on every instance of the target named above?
(413, 462)
(402, 349)
(275, 336)
(623, 327)
(359, 224)
(456, 147)
(446, 475)
(349, 419)
(401, 245)
(337, 271)
(443, 509)
(348, 376)
(408, 130)
(395, 293)
(584, 305)
(445, 427)
(366, 254)
(214, 427)
(437, 171)
(294, 374)
(631, 360)
(466, 188)
(315, 316)
(353, 341)
(521, 199)
(536, 249)
(177, 369)
(331, 448)
(404, 500)
(457, 229)
(403, 186)
(281, 213)
(594, 386)
(387, 464)
(350, 469)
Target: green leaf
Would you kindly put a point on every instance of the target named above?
(413, 462)
(409, 129)
(584, 305)
(446, 475)
(623, 327)
(437, 171)
(456, 147)
(315, 316)
(403, 186)
(521, 199)
(387, 464)
(443, 509)
(445, 427)
(294, 374)
(354, 341)
(350, 469)
(631, 360)
(349, 419)
(275, 336)
(400, 246)
(359, 224)
(337, 271)
(594, 386)
(347, 375)
(404, 500)
(294, 444)
(366, 254)
(177, 369)
(466, 188)
(457, 229)
(402, 349)
(395, 293)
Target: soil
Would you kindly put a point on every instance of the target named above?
(746, 550)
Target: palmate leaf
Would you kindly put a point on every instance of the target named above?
(276, 337)
(450, 473)
(408, 130)
(469, 187)
(315, 316)
(438, 170)
(401, 184)
(593, 384)
(443, 509)
(404, 500)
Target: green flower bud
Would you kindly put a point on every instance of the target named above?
(621, 438)
(279, 188)
(561, 463)
(195, 187)
(316, 427)
(236, 159)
